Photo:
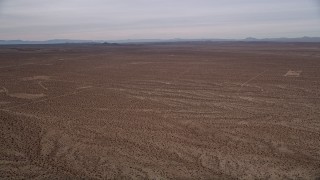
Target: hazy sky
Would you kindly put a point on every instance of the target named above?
(145, 19)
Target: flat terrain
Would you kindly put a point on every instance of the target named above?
(160, 111)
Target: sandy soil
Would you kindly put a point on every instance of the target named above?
(160, 111)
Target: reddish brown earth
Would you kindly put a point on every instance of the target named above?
(160, 111)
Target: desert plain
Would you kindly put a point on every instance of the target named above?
(206, 110)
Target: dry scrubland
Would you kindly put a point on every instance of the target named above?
(160, 111)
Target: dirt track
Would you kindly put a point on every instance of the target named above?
(199, 111)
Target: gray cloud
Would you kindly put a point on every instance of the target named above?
(114, 19)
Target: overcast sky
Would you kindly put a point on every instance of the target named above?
(162, 19)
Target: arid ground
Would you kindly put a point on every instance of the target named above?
(160, 111)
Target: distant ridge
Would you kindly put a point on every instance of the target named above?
(249, 39)
(52, 41)
(284, 39)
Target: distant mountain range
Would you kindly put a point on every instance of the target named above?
(249, 39)
(53, 41)
(300, 39)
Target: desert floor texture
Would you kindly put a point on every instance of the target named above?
(160, 111)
